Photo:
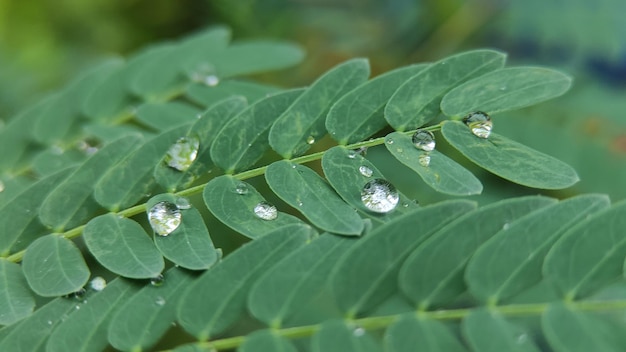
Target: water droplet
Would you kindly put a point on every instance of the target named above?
(160, 301)
(379, 196)
(351, 154)
(164, 217)
(1, 186)
(211, 80)
(49, 322)
(265, 211)
(358, 332)
(479, 123)
(157, 281)
(182, 203)
(98, 283)
(424, 159)
(424, 140)
(80, 294)
(365, 171)
(506, 226)
(388, 140)
(77, 307)
(310, 140)
(293, 166)
(503, 88)
(241, 188)
(181, 154)
(522, 338)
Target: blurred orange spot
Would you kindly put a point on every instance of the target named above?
(619, 144)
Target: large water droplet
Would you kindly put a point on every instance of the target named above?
(479, 123)
(98, 283)
(157, 280)
(424, 140)
(424, 159)
(265, 211)
(181, 154)
(164, 218)
(365, 171)
(310, 140)
(379, 196)
(241, 188)
(183, 203)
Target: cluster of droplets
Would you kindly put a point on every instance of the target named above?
(182, 153)
(263, 210)
(424, 140)
(479, 123)
(165, 217)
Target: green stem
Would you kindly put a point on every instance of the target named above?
(382, 322)
(140, 208)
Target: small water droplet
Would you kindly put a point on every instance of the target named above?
(157, 280)
(300, 204)
(293, 166)
(424, 159)
(49, 322)
(389, 140)
(358, 332)
(183, 203)
(77, 307)
(365, 171)
(160, 301)
(164, 217)
(182, 154)
(211, 80)
(310, 140)
(405, 204)
(199, 115)
(379, 196)
(241, 188)
(503, 88)
(522, 338)
(80, 294)
(506, 226)
(351, 154)
(265, 211)
(98, 283)
(479, 123)
(1, 186)
(424, 140)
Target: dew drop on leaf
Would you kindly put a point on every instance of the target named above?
(98, 283)
(159, 301)
(211, 80)
(182, 203)
(479, 123)
(164, 217)
(157, 280)
(80, 294)
(389, 140)
(1, 186)
(352, 154)
(424, 140)
(424, 159)
(358, 332)
(379, 196)
(265, 211)
(310, 140)
(365, 171)
(241, 188)
(182, 153)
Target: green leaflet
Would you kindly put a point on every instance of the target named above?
(209, 95)
(163, 76)
(217, 298)
(416, 102)
(53, 160)
(303, 121)
(54, 266)
(490, 332)
(190, 245)
(342, 169)
(71, 203)
(86, 329)
(131, 179)
(511, 261)
(205, 129)
(505, 89)
(56, 121)
(359, 283)
(18, 216)
(305, 190)
(446, 253)
(296, 280)
(16, 300)
(441, 173)
(31, 334)
(337, 336)
(144, 317)
(123, 247)
(232, 202)
(571, 331)
(510, 160)
(266, 340)
(411, 331)
(248, 57)
(163, 116)
(590, 255)
(359, 114)
(244, 139)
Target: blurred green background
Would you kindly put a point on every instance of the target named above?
(43, 44)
